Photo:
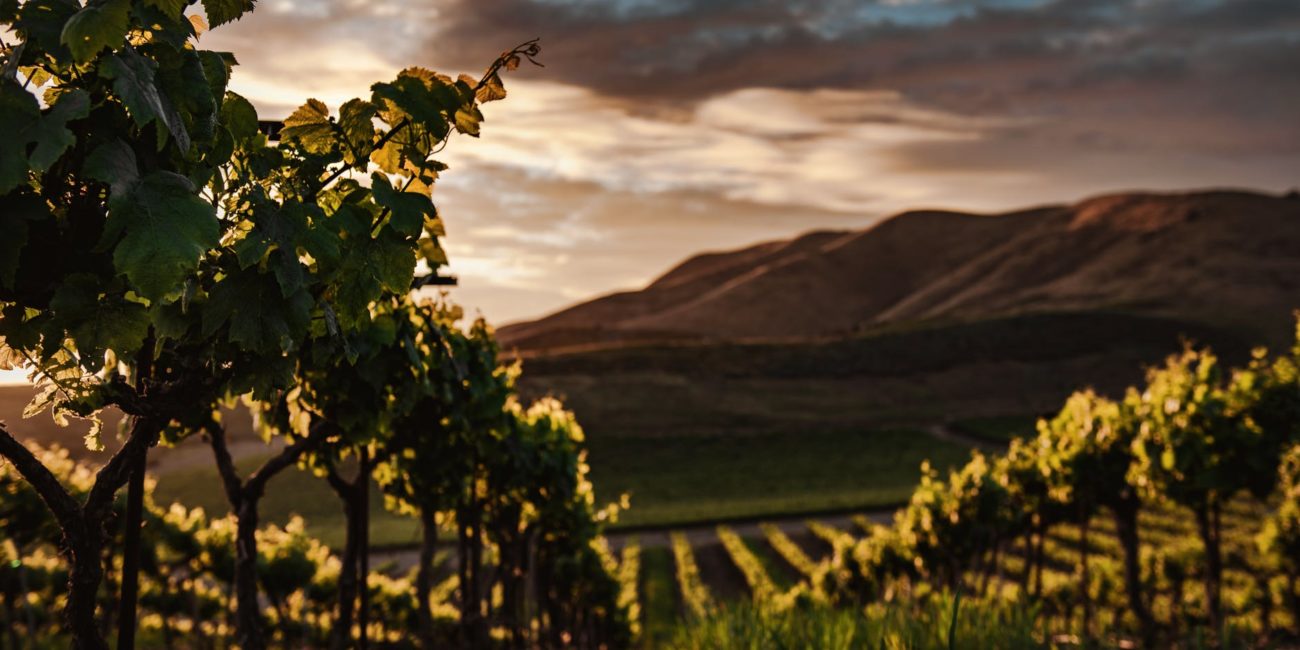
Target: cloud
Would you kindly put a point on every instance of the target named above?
(762, 145)
(1090, 65)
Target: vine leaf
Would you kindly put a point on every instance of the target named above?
(51, 133)
(468, 120)
(114, 163)
(310, 126)
(239, 116)
(135, 84)
(99, 321)
(356, 119)
(492, 90)
(160, 226)
(96, 27)
(375, 266)
(433, 253)
(261, 316)
(19, 111)
(221, 12)
(408, 208)
(173, 8)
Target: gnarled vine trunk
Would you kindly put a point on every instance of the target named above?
(244, 497)
(424, 577)
(82, 524)
(345, 617)
(1126, 528)
(1207, 524)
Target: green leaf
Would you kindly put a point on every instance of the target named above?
(221, 12)
(261, 318)
(51, 133)
(310, 126)
(114, 163)
(41, 23)
(164, 228)
(416, 98)
(183, 81)
(96, 27)
(134, 82)
(408, 208)
(13, 236)
(356, 119)
(19, 111)
(21, 115)
(371, 268)
(216, 69)
(239, 116)
(172, 8)
(98, 321)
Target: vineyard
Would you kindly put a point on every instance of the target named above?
(795, 554)
(165, 256)
(1164, 519)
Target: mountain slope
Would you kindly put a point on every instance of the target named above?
(1227, 259)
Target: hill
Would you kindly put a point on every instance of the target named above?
(1224, 259)
(931, 322)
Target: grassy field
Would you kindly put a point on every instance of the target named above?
(998, 428)
(672, 480)
(291, 492)
(684, 479)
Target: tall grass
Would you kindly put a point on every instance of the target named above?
(925, 626)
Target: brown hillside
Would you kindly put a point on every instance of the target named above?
(1227, 259)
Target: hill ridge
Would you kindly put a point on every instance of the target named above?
(1226, 258)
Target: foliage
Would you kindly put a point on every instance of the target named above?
(695, 595)
(761, 587)
(788, 550)
(925, 626)
(163, 256)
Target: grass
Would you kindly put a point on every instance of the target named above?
(687, 479)
(291, 492)
(672, 480)
(923, 627)
(998, 428)
(659, 609)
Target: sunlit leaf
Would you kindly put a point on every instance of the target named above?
(95, 27)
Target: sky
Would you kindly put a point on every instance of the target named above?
(659, 129)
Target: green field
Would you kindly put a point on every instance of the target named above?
(672, 480)
(684, 479)
(293, 491)
(998, 428)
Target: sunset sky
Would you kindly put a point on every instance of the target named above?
(660, 129)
